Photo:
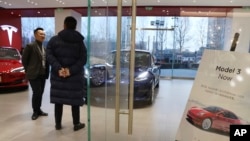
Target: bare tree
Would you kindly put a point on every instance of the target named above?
(181, 33)
(126, 32)
(141, 34)
(202, 34)
(216, 33)
(163, 33)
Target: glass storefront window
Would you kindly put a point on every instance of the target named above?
(29, 24)
(176, 42)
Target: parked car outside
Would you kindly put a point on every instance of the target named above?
(12, 73)
(146, 75)
(213, 117)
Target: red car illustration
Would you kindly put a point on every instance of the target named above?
(213, 117)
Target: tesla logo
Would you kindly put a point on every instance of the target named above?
(10, 29)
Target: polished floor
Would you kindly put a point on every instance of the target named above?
(158, 122)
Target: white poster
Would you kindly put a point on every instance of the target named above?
(220, 96)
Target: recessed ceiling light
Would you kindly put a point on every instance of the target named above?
(105, 1)
(32, 2)
(60, 1)
(6, 3)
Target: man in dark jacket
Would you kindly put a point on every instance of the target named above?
(66, 53)
(37, 70)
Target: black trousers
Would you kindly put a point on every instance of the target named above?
(37, 86)
(59, 111)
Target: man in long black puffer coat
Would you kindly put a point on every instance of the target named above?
(66, 53)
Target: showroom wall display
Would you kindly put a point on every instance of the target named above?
(219, 97)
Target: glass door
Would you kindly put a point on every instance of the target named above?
(110, 89)
(124, 75)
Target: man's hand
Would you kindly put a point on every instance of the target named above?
(64, 72)
(67, 73)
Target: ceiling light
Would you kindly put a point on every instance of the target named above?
(32, 2)
(104, 1)
(60, 1)
(6, 3)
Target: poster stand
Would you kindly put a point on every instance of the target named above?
(219, 96)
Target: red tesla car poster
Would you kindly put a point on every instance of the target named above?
(220, 97)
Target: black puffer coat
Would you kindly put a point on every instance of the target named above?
(67, 50)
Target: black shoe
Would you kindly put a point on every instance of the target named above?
(58, 127)
(41, 113)
(34, 116)
(79, 126)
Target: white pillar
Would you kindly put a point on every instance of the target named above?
(61, 14)
(238, 22)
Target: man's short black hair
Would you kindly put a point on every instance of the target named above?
(70, 22)
(39, 28)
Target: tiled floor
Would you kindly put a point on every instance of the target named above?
(158, 122)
